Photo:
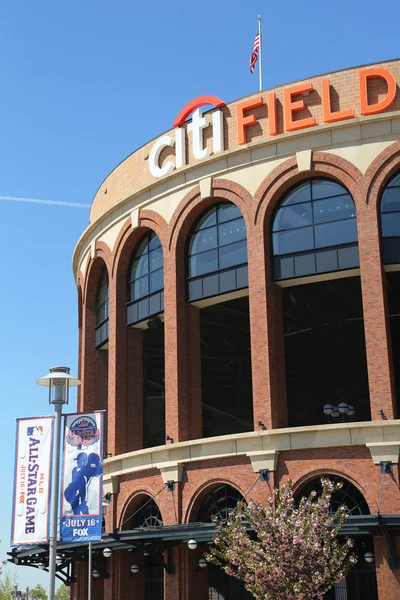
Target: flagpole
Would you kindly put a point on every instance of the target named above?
(260, 54)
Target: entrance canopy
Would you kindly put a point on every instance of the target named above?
(157, 539)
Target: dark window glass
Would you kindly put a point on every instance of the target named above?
(301, 193)
(390, 200)
(139, 267)
(390, 221)
(316, 214)
(322, 188)
(210, 218)
(203, 240)
(334, 209)
(391, 224)
(296, 240)
(157, 280)
(101, 333)
(218, 242)
(156, 259)
(206, 262)
(228, 212)
(234, 254)
(140, 287)
(335, 234)
(291, 217)
(231, 232)
(102, 297)
(145, 278)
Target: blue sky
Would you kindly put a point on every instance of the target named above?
(83, 85)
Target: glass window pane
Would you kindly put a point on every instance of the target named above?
(390, 200)
(203, 263)
(348, 257)
(334, 209)
(297, 240)
(210, 285)
(195, 289)
(304, 264)
(234, 254)
(156, 280)
(143, 309)
(208, 219)
(242, 277)
(298, 215)
(391, 225)
(325, 189)
(101, 313)
(139, 267)
(395, 181)
(142, 248)
(154, 242)
(227, 212)
(230, 232)
(302, 193)
(283, 267)
(155, 304)
(203, 240)
(227, 281)
(140, 288)
(156, 259)
(335, 234)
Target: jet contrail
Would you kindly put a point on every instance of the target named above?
(38, 201)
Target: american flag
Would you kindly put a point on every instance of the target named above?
(254, 55)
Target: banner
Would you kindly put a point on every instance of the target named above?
(31, 499)
(82, 478)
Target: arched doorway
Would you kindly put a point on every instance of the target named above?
(144, 513)
(219, 502)
(360, 583)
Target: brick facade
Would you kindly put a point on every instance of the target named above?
(120, 367)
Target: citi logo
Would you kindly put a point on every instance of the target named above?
(196, 128)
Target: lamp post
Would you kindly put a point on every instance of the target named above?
(58, 381)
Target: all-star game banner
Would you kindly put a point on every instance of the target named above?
(82, 478)
(31, 499)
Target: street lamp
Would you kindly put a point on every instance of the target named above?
(192, 544)
(107, 552)
(58, 381)
(369, 557)
(134, 569)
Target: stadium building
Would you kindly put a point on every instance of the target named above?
(239, 322)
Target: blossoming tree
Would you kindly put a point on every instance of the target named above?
(285, 550)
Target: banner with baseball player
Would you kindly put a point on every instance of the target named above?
(82, 478)
(32, 481)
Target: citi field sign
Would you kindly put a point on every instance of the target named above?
(293, 102)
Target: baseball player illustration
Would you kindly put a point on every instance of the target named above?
(78, 492)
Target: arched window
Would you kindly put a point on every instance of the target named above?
(219, 503)
(348, 495)
(217, 253)
(390, 221)
(314, 231)
(147, 515)
(102, 309)
(146, 280)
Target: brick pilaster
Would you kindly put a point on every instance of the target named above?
(376, 318)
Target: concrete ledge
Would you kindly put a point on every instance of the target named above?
(261, 447)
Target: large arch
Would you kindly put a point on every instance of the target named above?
(204, 490)
(221, 306)
(133, 505)
(128, 343)
(183, 376)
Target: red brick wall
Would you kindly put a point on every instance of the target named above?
(182, 359)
